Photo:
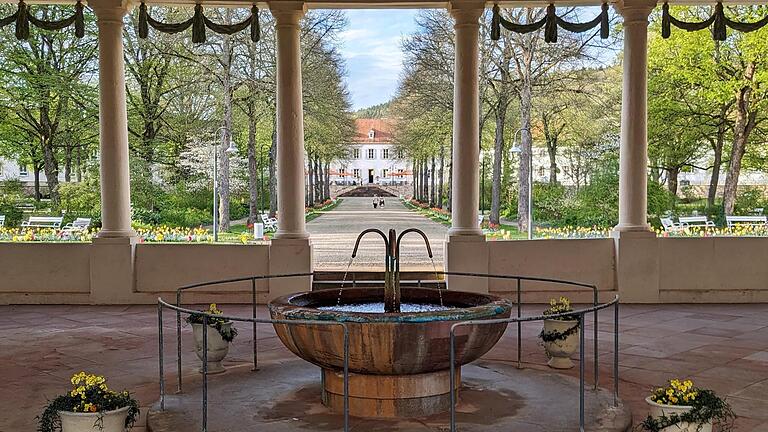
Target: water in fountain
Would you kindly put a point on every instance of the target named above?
(437, 279)
(378, 307)
(344, 280)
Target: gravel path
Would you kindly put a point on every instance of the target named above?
(334, 234)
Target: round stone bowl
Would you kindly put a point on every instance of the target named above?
(389, 343)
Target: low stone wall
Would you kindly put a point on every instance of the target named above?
(32, 271)
(590, 261)
(82, 273)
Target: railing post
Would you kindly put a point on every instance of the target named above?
(597, 372)
(178, 341)
(519, 324)
(160, 352)
(616, 353)
(452, 390)
(346, 377)
(253, 306)
(581, 372)
(205, 373)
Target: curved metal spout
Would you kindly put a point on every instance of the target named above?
(372, 230)
(418, 231)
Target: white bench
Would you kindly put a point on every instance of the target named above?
(670, 225)
(696, 221)
(42, 222)
(270, 224)
(79, 224)
(2, 220)
(746, 220)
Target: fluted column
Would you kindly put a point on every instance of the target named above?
(465, 188)
(633, 153)
(290, 121)
(113, 122)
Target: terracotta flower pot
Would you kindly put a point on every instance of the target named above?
(560, 351)
(217, 346)
(107, 421)
(660, 410)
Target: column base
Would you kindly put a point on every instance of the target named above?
(637, 266)
(456, 231)
(112, 270)
(115, 234)
(467, 254)
(390, 396)
(288, 256)
(621, 228)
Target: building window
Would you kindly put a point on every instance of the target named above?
(371, 134)
(23, 170)
(356, 172)
(385, 153)
(541, 171)
(385, 173)
(355, 153)
(342, 171)
(399, 154)
(371, 153)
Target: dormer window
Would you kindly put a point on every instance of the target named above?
(371, 134)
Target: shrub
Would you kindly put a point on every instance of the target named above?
(747, 200)
(81, 200)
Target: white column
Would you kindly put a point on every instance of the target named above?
(633, 171)
(113, 122)
(290, 121)
(466, 249)
(466, 117)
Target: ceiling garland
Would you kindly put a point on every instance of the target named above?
(23, 17)
(550, 22)
(198, 22)
(718, 18)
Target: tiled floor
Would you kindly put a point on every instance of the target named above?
(724, 347)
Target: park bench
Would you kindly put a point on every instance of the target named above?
(79, 224)
(480, 218)
(670, 225)
(42, 222)
(2, 220)
(696, 221)
(746, 220)
(270, 224)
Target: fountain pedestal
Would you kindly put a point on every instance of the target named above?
(390, 396)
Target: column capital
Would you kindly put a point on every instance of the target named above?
(466, 12)
(635, 11)
(287, 12)
(110, 10)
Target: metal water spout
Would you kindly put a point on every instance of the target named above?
(392, 263)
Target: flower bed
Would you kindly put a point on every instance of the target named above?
(439, 215)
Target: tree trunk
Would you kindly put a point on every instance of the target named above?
(672, 175)
(67, 163)
(433, 188)
(38, 194)
(450, 183)
(310, 192)
(253, 170)
(51, 168)
(327, 181)
(425, 181)
(742, 128)
(498, 157)
(717, 150)
(226, 137)
(272, 171)
(440, 178)
(525, 156)
(415, 179)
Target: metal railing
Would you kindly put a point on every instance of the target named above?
(519, 319)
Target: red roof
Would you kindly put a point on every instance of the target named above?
(382, 130)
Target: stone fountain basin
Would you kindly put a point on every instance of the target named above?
(389, 343)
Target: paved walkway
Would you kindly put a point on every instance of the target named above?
(723, 347)
(334, 234)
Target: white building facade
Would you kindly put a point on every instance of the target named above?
(372, 158)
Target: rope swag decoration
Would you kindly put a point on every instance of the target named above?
(550, 22)
(718, 18)
(198, 22)
(555, 335)
(23, 17)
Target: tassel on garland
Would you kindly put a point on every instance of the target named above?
(496, 23)
(255, 26)
(22, 22)
(143, 21)
(550, 27)
(719, 32)
(666, 29)
(604, 24)
(198, 25)
(79, 20)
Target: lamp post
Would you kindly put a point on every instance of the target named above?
(232, 149)
(518, 149)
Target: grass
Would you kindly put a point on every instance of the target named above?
(317, 212)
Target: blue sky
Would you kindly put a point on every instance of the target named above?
(371, 48)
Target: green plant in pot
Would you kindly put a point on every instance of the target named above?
(682, 407)
(220, 333)
(89, 407)
(560, 333)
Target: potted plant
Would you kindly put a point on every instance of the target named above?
(89, 407)
(681, 407)
(560, 334)
(220, 334)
